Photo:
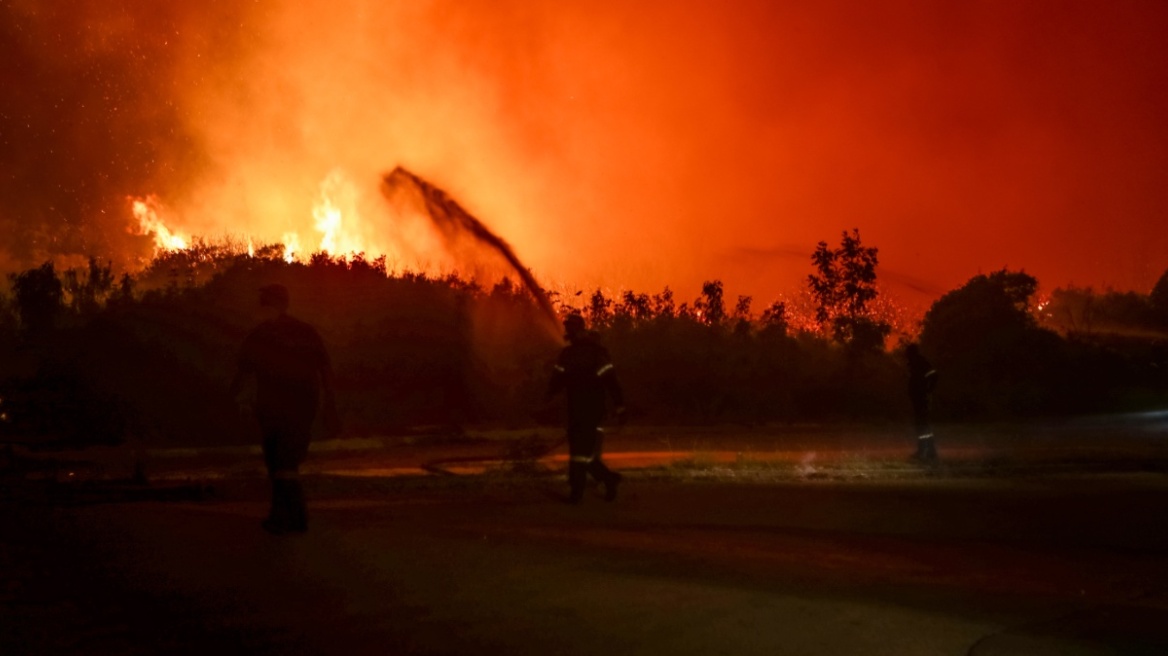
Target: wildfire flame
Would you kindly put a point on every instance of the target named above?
(328, 222)
(338, 202)
(147, 211)
(335, 216)
(291, 242)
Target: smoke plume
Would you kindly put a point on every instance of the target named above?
(615, 144)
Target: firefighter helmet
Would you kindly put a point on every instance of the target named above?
(573, 324)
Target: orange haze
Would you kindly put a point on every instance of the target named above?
(612, 143)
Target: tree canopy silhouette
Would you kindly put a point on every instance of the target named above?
(1159, 298)
(996, 358)
(843, 286)
(39, 295)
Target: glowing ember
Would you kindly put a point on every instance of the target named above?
(147, 211)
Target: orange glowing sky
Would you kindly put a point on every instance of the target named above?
(624, 144)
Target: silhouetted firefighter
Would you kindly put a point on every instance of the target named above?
(922, 380)
(584, 372)
(291, 368)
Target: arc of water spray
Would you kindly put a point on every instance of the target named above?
(451, 219)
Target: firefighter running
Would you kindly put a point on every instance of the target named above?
(922, 380)
(291, 369)
(584, 372)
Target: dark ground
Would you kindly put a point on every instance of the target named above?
(1040, 559)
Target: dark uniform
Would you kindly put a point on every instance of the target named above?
(922, 380)
(584, 372)
(290, 363)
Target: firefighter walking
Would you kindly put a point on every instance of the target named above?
(922, 380)
(584, 372)
(291, 368)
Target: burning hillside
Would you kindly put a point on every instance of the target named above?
(466, 244)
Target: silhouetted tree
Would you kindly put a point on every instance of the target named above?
(774, 318)
(663, 305)
(1159, 299)
(125, 291)
(1078, 311)
(742, 307)
(710, 306)
(88, 289)
(637, 307)
(843, 286)
(742, 315)
(8, 318)
(38, 298)
(599, 310)
(985, 312)
(441, 349)
(993, 356)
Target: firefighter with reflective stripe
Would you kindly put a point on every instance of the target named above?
(291, 368)
(922, 380)
(585, 374)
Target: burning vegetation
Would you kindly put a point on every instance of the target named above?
(89, 355)
(336, 220)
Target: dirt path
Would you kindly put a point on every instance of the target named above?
(919, 567)
(784, 452)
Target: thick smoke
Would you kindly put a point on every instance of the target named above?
(614, 143)
(91, 112)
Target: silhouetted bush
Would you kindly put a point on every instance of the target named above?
(997, 361)
(62, 407)
(1158, 299)
(38, 295)
(1079, 311)
(152, 357)
(993, 358)
(1117, 347)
